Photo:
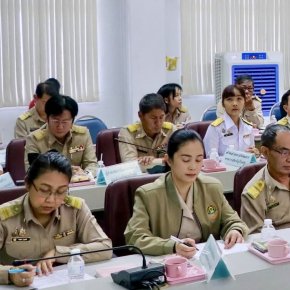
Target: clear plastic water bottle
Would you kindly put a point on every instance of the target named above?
(76, 266)
(268, 231)
(214, 155)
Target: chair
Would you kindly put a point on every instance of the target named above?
(199, 127)
(242, 177)
(276, 111)
(119, 201)
(107, 146)
(9, 194)
(94, 124)
(209, 114)
(15, 160)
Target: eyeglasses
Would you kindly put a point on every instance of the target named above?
(46, 192)
(283, 152)
(63, 123)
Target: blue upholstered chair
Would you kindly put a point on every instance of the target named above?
(276, 111)
(209, 114)
(94, 124)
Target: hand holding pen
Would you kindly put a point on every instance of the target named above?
(22, 275)
(185, 247)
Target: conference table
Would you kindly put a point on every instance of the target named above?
(250, 272)
(95, 194)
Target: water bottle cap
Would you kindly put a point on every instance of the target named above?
(267, 222)
(75, 251)
(101, 163)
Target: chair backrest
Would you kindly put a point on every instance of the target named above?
(94, 124)
(199, 127)
(119, 201)
(275, 110)
(9, 194)
(242, 177)
(108, 147)
(15, 160)
(209, 114)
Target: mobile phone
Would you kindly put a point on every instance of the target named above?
(260, 246)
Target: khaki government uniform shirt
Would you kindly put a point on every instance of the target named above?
(254, 117)
(71, 226)
(265, 198)
(78, 147)
(158, 214)
(284, 121)
(181, 117)
(27, 123)
(135, 134)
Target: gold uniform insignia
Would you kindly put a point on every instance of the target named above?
(183, 109)
(39, 134)
(212, 212)
(77, 148)
(255, 190)
(73, 201)
(25, 116)
(133, 127)
(79, 129)
(10, 211)
(217, 122)
(63, 234)
(283, 121)
(247, 122)
(167, 125)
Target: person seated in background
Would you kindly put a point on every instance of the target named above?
(60, 133)
(54, 82)
(182, 203)
(47, 221)
(175, 112)
(285, 110)
(252, 111)
(231, 128)
(35, 117)
(149, 136)
(266, 196)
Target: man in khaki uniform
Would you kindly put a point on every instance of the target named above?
(149, 136)
(253, 104)
(35, 117)
(59, 133)
(266, 196)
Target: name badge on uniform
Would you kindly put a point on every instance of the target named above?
(247, 136)
(77, 148)
(63, 234)
(272, 203)
(19, 235)
(228, 134)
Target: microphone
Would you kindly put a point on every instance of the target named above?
(160, 149)
(133, 278)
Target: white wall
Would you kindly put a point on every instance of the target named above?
(134, 38)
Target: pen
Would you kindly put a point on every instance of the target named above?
(181, 242)
(18, 270)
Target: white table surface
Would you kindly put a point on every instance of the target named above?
(3, 157)
(250, 271)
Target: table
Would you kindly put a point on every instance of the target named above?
(94, 195)
(3, 157)
(250, 272)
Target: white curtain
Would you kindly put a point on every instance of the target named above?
(48, 38)
(213, 26)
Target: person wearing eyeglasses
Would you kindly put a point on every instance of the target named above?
(35, 117)
(47, 221)
(61, 134)
(266, 196)
(253, 104)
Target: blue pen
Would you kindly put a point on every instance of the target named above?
(18, 270)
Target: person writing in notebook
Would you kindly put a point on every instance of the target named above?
(182, 203)
(47, 221)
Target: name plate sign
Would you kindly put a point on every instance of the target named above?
(212, 260)
(6, 181)
(238, 158)
(112, 173)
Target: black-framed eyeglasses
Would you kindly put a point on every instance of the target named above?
(45, 193)
(282, 151)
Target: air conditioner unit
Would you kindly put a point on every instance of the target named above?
(265, 68)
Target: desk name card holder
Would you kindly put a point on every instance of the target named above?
(6, 181)
(238, 158)
(213, 262)
(115, 172)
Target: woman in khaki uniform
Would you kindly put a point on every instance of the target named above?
(182, 204)
(46, 221)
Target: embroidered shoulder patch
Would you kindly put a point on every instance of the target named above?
(25, 116)
(217, 122)
(255, 190)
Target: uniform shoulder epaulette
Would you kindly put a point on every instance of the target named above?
(133, 127)
(25, 115)
(283, 121)
(183, 109)
(73, 201)
(255, 190)
(247, 122)
(9, 211)
(79, 129)
(167, 125)
(217, 122)
(39, 134)
(258, 99)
